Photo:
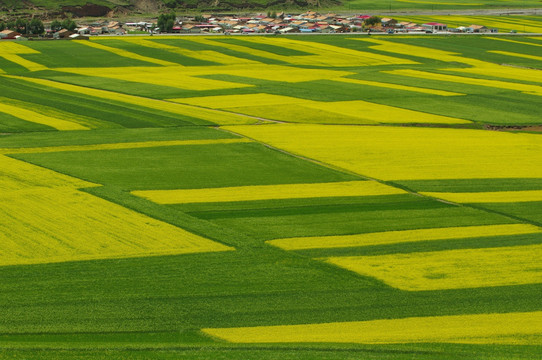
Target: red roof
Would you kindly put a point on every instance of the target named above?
(435, 24)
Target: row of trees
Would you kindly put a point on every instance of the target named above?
(35, 26)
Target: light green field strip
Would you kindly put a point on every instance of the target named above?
(489, 197)
(509, 328)
(398, 87)
(439, 3)
(365, 111)
(171, 76)
(505, 72)
(394, 237)
(51, 112)
(524, 88)
(207, 55)
(269, 192)
(508, 53)
(214, 116)
(514, 41)
(38, 118)
(451, 269)
(233, 101)
(116, 146)
(321, 54)
(127, 54)
(383, 113)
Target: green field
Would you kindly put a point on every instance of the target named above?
(158, 196)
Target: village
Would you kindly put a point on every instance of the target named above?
(310, 22)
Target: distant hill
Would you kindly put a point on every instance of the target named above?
(83, 8)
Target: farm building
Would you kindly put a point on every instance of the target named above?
(9, 34)
(435, 26)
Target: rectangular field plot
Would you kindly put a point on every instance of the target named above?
(490, 197)
(451, 269)
(268, 192)
(350, 216)
(186, 166)
(392, 153)
(45, 219)
(509, 328)
(394, 237)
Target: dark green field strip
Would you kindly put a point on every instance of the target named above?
(10, 124)
(166, 351)
(199, 46)
(530, 211)
(471, 185)
(112, 136)
(187, 167)
(117, 113)
(116, 85)
(476, 48)
(216, 351)
(425, 246)
(10, 67)
(274, 49)
(255, 205)
(347, 222)
(374, 203)
(238, 288)
(60, 54)
(155, 53)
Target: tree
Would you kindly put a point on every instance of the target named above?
(166, 21)
(21, 26)
(56, 26)
(36, 27)
(373, 20)
(68, 24)
(11, 25)
(2, 26)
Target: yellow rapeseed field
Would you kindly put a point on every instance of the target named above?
(10, 51)
(525, 88)
(267, 192)
(515, 41)
(45, 219)
(398, 87)
(504, 72)
(116, 146)
(508, 328)
(394, 237)
(214, 116)
(450, 269)
(17, 175)
(489, 197)
(127, 54)
(402, 153)
(32, 116)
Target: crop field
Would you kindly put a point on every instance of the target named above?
(273, 197)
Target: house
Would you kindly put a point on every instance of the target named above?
(9, 34)
(435, 26)
(63, 34)
(477, 29)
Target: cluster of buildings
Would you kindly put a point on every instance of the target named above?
(308, 22)
(280, 23)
